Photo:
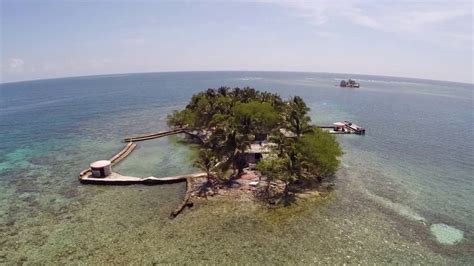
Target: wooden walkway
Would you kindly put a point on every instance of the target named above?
(114, 178)
(155, 135)
(122, 154)
(118, 179)
(85, 176)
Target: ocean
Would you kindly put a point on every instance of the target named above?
(404, 192)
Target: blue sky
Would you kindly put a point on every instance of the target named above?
(423, 39)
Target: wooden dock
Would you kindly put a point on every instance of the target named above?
(355, 128)
(155, 135)
(85, 176)
(122, 154)
(118, 179)
(345, 127)
(114, 178)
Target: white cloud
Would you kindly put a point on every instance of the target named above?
(382, 15)
(357, 17)
(317, 13)
(16, 63)
(420, 18)
(428, 18)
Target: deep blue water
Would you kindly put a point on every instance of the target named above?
(416, 159)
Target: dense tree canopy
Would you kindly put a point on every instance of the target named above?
(214, 107)
(232, 118)
(256, 117)
(319, 151)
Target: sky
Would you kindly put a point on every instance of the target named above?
(419, 39)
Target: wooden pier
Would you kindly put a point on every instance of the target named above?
(114, 178)
(118, 179)
(345, 127)
(155, 135)
(122, 154)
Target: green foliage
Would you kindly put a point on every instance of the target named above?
(311, 156)
(297, 119)
(256, 117)
(205, 105)
(320, 152)
(277, 168)
(183, 118)
(206, 161)
(232, 118)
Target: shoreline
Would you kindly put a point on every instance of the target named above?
(251, 186)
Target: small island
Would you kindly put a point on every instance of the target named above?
(254, 141)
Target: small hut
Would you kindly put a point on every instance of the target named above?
(339, 126)
(257, 151)
(101, 169)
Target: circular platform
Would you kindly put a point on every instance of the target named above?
(101, 164)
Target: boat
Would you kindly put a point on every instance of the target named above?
(349, 84)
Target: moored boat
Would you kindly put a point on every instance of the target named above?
(349, 83)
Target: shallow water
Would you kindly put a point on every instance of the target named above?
(404, 192)
(159, 157)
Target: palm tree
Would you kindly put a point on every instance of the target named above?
(206, 161)
(223, 91)
(297, 116)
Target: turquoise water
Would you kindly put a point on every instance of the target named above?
(405, 189)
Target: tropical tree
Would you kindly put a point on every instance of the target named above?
(282, 168)
(283, 143)
(272, 169)
(308, 157)
(297, 119)
(230, 119)
(206, 161)
(256, 117)
(183, 118)
(319, 152)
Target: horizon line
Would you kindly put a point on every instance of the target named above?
(203, 71)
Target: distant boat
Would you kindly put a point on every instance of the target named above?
(350, 83)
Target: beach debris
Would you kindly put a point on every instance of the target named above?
(253, 183)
